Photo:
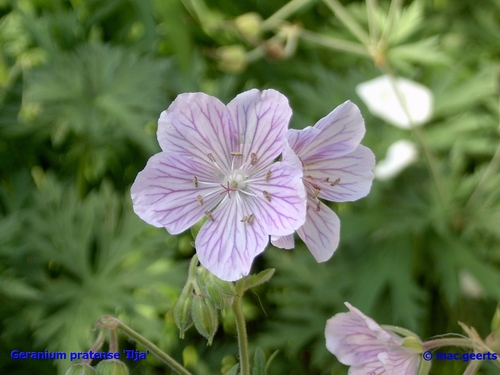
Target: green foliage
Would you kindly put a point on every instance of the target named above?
(82, 83)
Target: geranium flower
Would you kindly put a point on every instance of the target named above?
(336, 168)
(358, 341)
(217, 163)
(400, 154)
(383, 101)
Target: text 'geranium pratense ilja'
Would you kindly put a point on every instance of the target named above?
(336, 168)
(218, 162)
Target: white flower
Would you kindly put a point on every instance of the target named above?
(399, 155)
(381, 99)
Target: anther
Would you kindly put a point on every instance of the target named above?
(327, 179)
(335, 182)
(267, 195)
(316, 193)
(245, 218)
(253, 158)
(234, 153)
(211, 156)
(200, 200)
(195, 180)
(209, 215)
(268, 176)
(307, 207)
(318, 207)
(250, 219)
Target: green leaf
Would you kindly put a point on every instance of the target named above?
(424, 52)
(234, 370)
(259, 362)
(258, 279)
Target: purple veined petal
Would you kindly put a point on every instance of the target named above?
(284, 242)
(350, 339)
(300, 139)
(198, 126)
(165, 194)
(279, 199)
(400, 362)
(261, 120)
(321, 231)
(341, 132)
(343, 179)
(226, 245)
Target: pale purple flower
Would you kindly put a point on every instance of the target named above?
(358, 341)
(218, 162)
(336, 168)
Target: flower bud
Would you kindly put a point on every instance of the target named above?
(232, 58)
(111, 367)
(182, 312)
(250, 26)
(80, 369)
(274, 50)
(205, 317)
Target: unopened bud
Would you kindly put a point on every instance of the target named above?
(413, 344)
(182, 312)
(80, 369)
(250, 26)
(112, 367)
(205, 317)
(232, 58)
(274, 50)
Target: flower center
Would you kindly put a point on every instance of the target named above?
(237, 180)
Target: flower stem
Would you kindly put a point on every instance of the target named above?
(333, 43)
(241, 328)
(284, 12)
(113, 323)
(419, 137)
(438, 343)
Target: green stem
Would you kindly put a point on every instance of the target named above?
(241, 328)
(438, 343)
(333, 43)
(283, 13)
(348, 21)
(113, 323)
(472, 367)
(429, 157)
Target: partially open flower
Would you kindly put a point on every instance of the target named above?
(399, 155)
(358, 341)
(410, 105)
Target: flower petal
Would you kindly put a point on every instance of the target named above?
(399, 155)
(400, 362)
(164, 194)
(198, 125)
(321, 231)
(261, 120)
(227, 246)
(355, 339)
(340, 132)
(382, 100)
(279, 199)
(284, 242)
(343, 179)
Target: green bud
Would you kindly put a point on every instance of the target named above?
(232, 58)
(413, 344)
(205, 317)
(111, 367)
(182, 312)
(80, 369)
(250, 26)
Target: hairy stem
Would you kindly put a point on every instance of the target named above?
(241, 328)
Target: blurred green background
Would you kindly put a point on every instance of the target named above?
(82, 83)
